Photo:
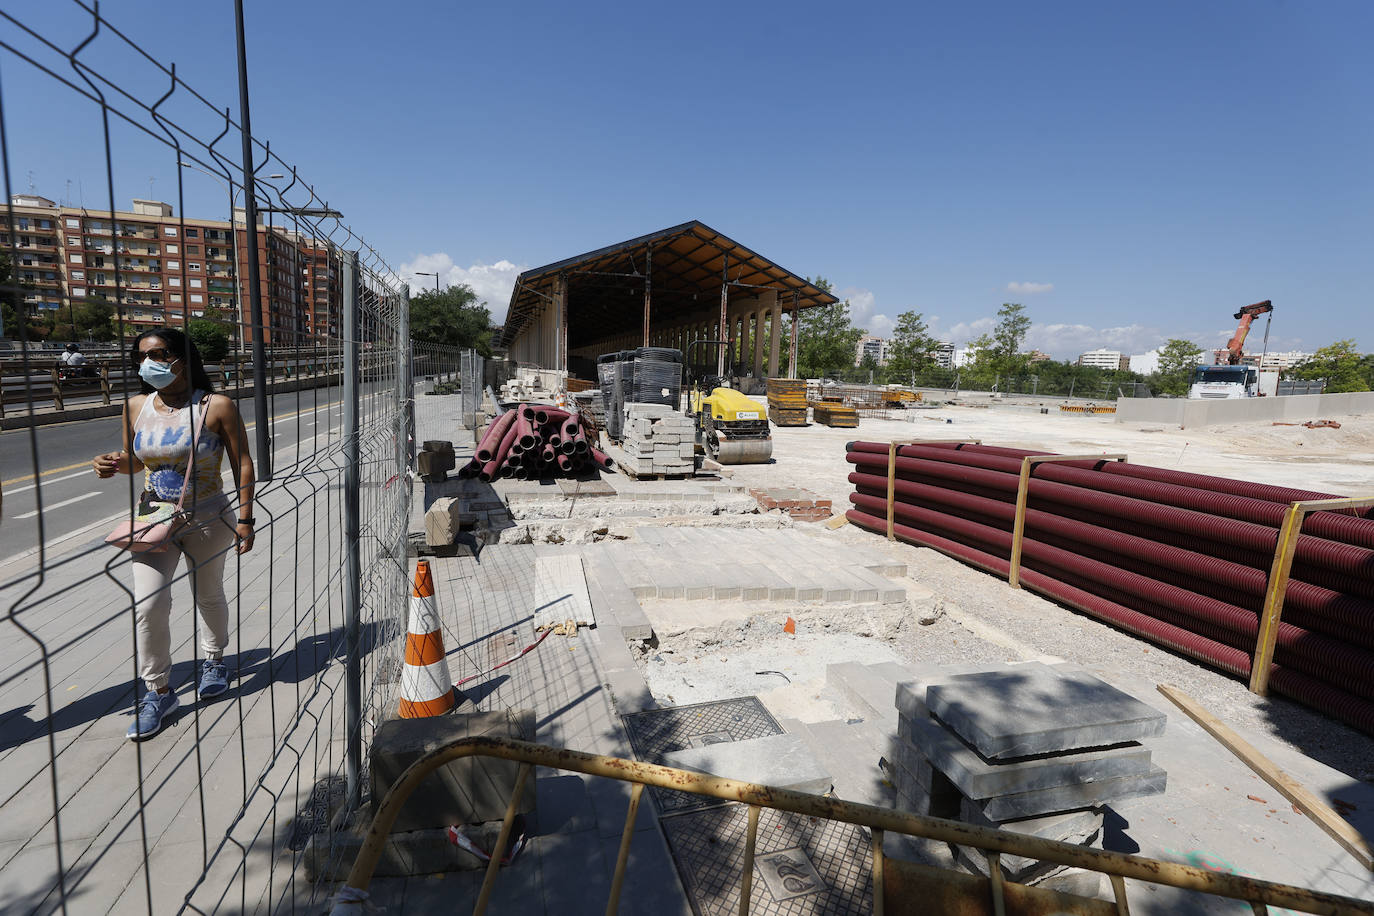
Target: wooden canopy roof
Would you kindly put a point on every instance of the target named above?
(685, 266)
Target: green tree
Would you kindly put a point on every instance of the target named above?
(454, 317)
(1177, 360)
(1007, 337)
(210, 337)
(95, 320)
(13, 312)
(1339, 363)
(909, 350)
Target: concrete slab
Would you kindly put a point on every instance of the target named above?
(979, 778)
(850, 752)
(612, 597)
(1058, 799)
(1035, 709)
(869, 691)
(560, 591)
(784, 761)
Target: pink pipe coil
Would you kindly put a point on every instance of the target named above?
(1109, 476)
(1308, 606)
(495, 432)
(545, 414)
(503, 448)
(1352, 561)
(567, 447)
(548, 454)
(525, 432)
(527, 411)
(601, 459)
(553, 440)
(1350, 709)
(565, 462)
(581, 447)
(1318, 655)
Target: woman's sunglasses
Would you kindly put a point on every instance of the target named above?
(161, 354)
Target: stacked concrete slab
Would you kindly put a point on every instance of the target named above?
(657, 441)
(1028, 748)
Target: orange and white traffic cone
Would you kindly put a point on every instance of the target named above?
(426, 686)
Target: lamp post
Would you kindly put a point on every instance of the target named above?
(435, 275)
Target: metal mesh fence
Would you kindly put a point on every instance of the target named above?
(473, 375)
(226, 807)
(438, 375)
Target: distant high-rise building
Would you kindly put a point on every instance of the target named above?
(943, 355)
(162, 269)
(1276, 360)
(875, 347)
(1101, 359)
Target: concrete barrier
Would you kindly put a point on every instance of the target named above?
(1188, 414)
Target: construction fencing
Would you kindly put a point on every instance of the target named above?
(214, 813)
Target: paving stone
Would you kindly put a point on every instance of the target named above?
(466, 791)
(562, 805)
(869, 691)
(651, 882)
(1068, 798)
(1082, 828)
(572, 874)
(977, 777)
(783, 761)
(609, 590)
(1035, 709)
(911, 689)
(850, 753)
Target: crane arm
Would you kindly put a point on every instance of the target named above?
(1247, 315)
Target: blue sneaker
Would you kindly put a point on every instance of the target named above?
(152, 710)
(214, 679)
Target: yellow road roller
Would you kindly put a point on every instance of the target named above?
(730, 428)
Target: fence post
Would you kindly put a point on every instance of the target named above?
(407, 379)
(352, 586)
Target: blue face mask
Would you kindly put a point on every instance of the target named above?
(159, 375)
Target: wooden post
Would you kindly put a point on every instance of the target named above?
(892, 471)
(648, 287)
(796, 307)
(1277, 590)
(724, 302)
(1018, 531)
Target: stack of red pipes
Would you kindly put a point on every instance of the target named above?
(531, 441)
(1181, 559)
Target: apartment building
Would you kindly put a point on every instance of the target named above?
(162, 268)
(875, 347)
(1103, 359)
(943, 355)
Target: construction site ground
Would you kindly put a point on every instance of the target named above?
(1215, 813)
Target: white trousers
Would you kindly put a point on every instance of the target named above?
(206, 542)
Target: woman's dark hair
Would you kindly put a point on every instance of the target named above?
(182, 346)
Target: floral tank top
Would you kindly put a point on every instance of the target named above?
(163, 443)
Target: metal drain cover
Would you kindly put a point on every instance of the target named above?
(802, 865)
(656, 732)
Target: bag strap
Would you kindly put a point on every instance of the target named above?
(191, 461)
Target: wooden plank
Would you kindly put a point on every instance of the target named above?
(1337, 827)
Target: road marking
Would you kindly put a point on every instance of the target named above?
(34, 486)
(65, 502)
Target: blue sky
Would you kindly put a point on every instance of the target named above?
(1129, 173)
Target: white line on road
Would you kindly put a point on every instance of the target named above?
(34, 486)
(65, 502)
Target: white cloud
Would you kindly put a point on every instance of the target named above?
(491, 282)
(1067, 341)
(863, 311)
(1029, 289)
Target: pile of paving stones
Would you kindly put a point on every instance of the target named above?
(1030, 749)
(657, 441)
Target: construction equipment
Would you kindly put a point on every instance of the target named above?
(1228, 378)
(730, 428)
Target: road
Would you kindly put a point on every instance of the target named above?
(75, 499)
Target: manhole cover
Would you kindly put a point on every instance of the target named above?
(656, 732)
(802, 865)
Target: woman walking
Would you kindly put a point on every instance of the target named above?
(178, 408)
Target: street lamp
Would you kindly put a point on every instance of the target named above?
(435, 275)
(234, 249)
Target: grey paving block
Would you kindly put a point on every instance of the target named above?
(869, 692)
(767, 585)
(466, 791)
(1068, 798)
(918, 677)
(573, 877)
(610, 800)
(1035, 709)
(979, 778)
(850, 753)
(887, 592)
(610, 591)
(562, 805)
(1082, 828)
(651, 880)
(783, 761)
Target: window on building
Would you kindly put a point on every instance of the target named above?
(79, 292)
(193, 249)
(196, 298)
(192, 265)
(78, 275)
(73, 241)
(173, 265)
(175, 297)
(45, 224)
(172, 249)
(193, 233)
(97, 261)
(99, 280)
(170, 230)
(73, 223)
(173, 281)
(74, 258)
(195, 282)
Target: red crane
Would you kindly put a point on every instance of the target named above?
(1246, 316)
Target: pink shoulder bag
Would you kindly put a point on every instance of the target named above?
(152, 527)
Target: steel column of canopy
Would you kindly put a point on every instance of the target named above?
(796, 308)
(724, 300)
(648, 290)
